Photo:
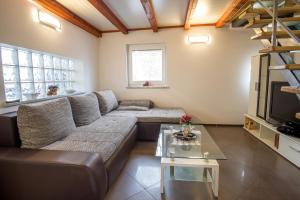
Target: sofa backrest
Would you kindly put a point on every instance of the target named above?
(43, 123)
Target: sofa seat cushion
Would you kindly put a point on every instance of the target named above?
(110, 124)
(105, 149)
(43, 123)
(159, 115)
(103, 136)
(85, 108)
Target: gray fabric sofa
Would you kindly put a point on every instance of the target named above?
(72, 139)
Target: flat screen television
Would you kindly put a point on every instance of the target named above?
(283, 106)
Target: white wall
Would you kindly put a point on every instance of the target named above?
(211, 82)
(17, 28)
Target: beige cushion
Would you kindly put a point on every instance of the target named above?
(137, 102)
(41, 124)
(107, 101)
(85, 109)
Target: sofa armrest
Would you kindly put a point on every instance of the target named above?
(48, 175)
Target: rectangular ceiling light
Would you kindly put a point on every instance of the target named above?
(198, 39)
(46, 19)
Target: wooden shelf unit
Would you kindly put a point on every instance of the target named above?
(262, 131)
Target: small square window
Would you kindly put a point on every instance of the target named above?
(146, 64)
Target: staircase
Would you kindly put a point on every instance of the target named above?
(277, 21)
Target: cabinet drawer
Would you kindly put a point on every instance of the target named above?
(289, 149)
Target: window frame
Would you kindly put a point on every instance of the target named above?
(70, 78)
(146, 47)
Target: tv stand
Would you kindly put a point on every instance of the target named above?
(287, 146)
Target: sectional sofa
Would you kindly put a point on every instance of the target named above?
(75, 147)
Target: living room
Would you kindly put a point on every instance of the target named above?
(149, 99)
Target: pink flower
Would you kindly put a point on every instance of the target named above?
(185, 119)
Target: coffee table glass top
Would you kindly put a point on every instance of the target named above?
(203, 147)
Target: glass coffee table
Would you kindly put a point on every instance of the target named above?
(194, 160)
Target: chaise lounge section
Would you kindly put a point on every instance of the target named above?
(72, 148)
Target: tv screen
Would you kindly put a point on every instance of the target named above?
(283, 106)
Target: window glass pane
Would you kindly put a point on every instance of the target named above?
(40, 88)
(38, 74)
(37, 60)
(27, 88)
(48, 74)
(57, 75)
(64, 64)
(9, 56)
(61, 87)
(12, 91)
(24, 58)
(26, 74)
(48, 62)
(71, 65)
(147, 65)
(10, 73)
(64, 75)
(57, 64)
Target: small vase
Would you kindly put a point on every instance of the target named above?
(185, 130)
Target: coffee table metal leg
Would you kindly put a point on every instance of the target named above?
(215, 180)
(162, 177)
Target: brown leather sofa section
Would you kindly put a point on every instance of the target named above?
(9, 135)
(118, 160)
(42, 174)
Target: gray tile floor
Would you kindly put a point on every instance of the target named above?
(252, 171)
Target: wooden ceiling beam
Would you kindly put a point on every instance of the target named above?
(234, 7)
(61, 11)
(105, 10)
(149, 10)
(189, 13)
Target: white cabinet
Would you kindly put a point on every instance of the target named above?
(289, 149)
(252, 106)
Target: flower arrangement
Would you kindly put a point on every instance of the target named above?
(186, 122)
(186, 119)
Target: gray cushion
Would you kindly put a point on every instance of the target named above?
(43, 123)
(107, 101)
(102, 136)
(137, 108)
(160, 115)
(107, 124)
(85, 109)
(138, 102)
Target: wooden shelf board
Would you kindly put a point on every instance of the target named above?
(279, 34)
(291, 89)
(263, 22)
(287, 66)
(279, 49)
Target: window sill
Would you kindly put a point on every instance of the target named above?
(39, 100)
(149, 87)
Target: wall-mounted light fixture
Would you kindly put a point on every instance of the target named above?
(46, 19)
(198, 39)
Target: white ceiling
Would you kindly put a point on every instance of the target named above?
(132, 14)
(170, 12)
(209, 11)
(86, 11)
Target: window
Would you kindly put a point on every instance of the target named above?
(27, 74)
(146, 63)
